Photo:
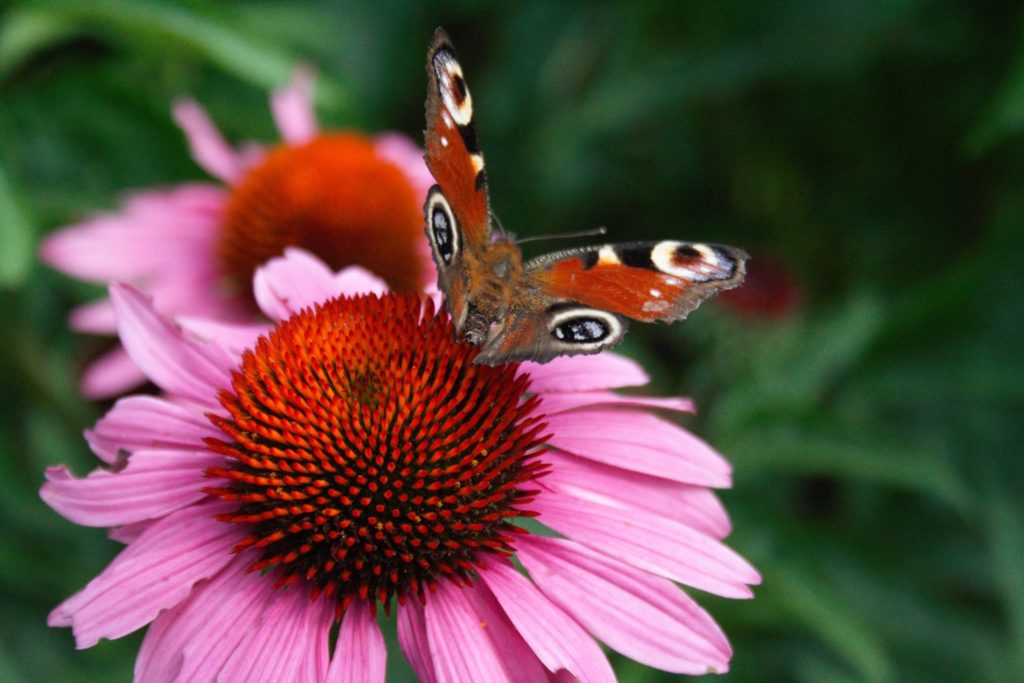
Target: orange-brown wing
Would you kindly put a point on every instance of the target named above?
(646, 281)
(453, 151)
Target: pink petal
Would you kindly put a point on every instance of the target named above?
(460, 646)
(208, 146)
(641, 442)
(360, 655)
(192, 640)
(110, 375)
(250, 154)
(408, 156)
(189, 201)
(235, 337)
(153, 484)
(154, 573)
(554, 637)
(646, 618)
(477, 636)
(520, 663)
(412, 638)
(286, 284)
(144, 422)
(293, 108)
(694, 506)
(358, 280)
(96, 317)
(128, 533)
(195, 291)
(176, 365)
(107, 247)
(650, 542)
(315, 667)
(585, 373)
(562, 402)
(286, 646)
(158, 231)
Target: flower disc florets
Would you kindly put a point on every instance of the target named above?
(369, 456)
(334, 196)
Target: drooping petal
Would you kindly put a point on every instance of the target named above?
(412, 638)
(650, 542)
(292, 108)
(96, 317)
(195, 291)
(144, 422)
(128, 533)
(155, 572)
(520, 663)
(562, 402)
(641, 442)
(111, 375)
(235, 337)
(175, 364)
(285, 646)
(585, 373)
(209, 149)
(119, 246)
(152, 484)
(499, 639)
(316, 666)
(360, 655)
(192, 640)
(695, 506)
(644, 617)
(554, 637)
(460, 646)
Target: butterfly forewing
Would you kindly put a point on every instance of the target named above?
(453, 151)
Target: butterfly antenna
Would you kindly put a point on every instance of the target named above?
(582, 233)
(497, 224)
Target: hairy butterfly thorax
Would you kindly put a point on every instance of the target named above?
(569, 302)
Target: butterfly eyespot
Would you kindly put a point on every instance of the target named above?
(584, 329)
(581, 331)
(441, 229)
(442, 234)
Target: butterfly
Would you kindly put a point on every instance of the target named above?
(568, 302)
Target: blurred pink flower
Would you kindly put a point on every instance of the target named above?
(771, 292)
(353, 454)
(350, 199)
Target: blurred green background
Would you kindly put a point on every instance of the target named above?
(868, 155)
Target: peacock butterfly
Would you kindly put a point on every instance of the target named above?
(568, 302)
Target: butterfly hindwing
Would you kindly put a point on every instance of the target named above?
(446, 244)
(539, 328)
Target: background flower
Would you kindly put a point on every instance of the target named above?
(872, 148)
(350, 199)
(355, 454)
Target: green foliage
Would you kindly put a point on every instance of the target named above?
(872, 150)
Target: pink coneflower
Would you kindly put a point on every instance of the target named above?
(350, 199)
(354, 461)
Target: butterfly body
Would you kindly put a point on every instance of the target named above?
(568, 302)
